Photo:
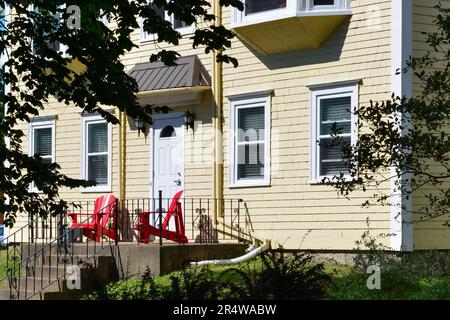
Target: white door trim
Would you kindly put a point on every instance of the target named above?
(174, 115)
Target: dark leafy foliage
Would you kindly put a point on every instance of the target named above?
(282, 277)
(36, 72)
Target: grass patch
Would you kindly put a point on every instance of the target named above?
(4, 266)
(404, 276)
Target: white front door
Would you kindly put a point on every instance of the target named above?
(168, 159)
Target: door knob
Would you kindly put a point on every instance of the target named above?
(178, 182)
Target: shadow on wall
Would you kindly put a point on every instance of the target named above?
(330, 51)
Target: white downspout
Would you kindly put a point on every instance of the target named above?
(250, 255)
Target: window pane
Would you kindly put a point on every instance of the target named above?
(54, 45)
(178, 24)
(255, 6)
(159, 11)
(43, 142)
(47, 161)
(323, 2)
(335, 110)
(168, 132)
(332, 160)
(251, 124)
(97, 137)
(98, 169)
(250, 162)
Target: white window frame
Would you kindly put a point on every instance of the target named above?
(36, 125)
(145, 37)
(85, 122)
(329, 91)
(293, 8)
(238, 102)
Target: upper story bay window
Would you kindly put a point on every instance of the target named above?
(254, 7)
(278, 26)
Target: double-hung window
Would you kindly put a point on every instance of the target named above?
(181, 26)
(54, 45)
(249, 136)
(96, 150)
(333, 129)
(41, 141)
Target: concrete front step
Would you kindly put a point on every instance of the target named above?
(76, 249)
(36, 284)
(5, 294)
(46, 271)
(60, 260)
(32, 288)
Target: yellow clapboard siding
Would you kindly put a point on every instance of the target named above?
(290, 206)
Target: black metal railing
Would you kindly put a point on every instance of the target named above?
(36, 231)
(48, 263)
(38, 254)
(197, 216)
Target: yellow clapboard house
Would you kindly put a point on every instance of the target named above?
(243, 143)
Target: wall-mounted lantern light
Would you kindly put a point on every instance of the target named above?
(139, 125)
(188, 119)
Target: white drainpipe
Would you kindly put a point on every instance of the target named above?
(252, 253)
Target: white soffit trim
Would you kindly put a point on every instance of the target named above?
(401, 85)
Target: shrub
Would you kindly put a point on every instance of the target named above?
(192, 284)
(281, 277)
(277, 275)
(143, 288)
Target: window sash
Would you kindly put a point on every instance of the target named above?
(177, 24)
(43, 141)
(48, 158)
(91, 154)
(324, 6)
(320, 163)
(256, 162)
(100, 152)
(260, 6)
(242, 171)
(101, 176)
(55, 45)
(323, 137)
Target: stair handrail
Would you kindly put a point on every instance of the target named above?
(6, 240)
(61, 238)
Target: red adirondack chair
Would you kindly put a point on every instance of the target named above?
(145, 230)
(99, 225)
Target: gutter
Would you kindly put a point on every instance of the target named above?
(173, 91)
